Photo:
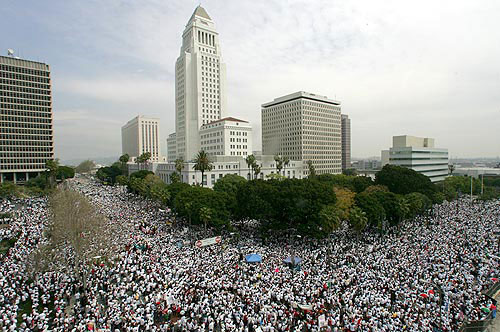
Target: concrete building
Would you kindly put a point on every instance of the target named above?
(304, 126)
(419, 154)
(140, 135)
(26, 129)
(226, 137)
(346, 141)
(223, 165)
(200, 83)
(172, 147)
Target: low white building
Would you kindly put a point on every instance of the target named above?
(226, 137)
(222, 165)
(419, 154)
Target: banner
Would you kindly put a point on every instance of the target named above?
(207, 242)
(322, 321)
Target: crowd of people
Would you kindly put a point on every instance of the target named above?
(425, 274)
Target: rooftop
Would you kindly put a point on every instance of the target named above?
(201, 12)
(226, 119)
(299, 95)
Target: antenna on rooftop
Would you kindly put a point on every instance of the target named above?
(10, 52)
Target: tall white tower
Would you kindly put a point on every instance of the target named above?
(200, 82)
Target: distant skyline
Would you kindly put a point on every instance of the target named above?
(421, 68)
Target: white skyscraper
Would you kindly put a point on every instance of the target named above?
(200, 80)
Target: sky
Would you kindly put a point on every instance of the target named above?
(423, 68)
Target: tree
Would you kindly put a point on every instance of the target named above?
(256, 170)
(141, 174)
(85, 166)
(418, 203)
(174, 189)
(150, 181)
(376, 188)
(250, 160)
(75, 228)
(451, 168)
(8, 189)
(189, 202)
(175, 177)
(350, 172)
(144, 158)
(51, 166)
(124, 159)
(358, 219)
(275, 176)
(159, 192)
(279, 163)
(374, 210)
(229, 185)
(108, 174)
(286, 162)
(203, 164)
(345, 201)
(179, 165)
(122, 180)
(65, 172)
(330, 218)
(403, 181)
(205, 215)
(312, 170)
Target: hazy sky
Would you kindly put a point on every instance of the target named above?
(424, 68)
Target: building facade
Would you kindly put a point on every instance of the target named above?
(304, 126)
(172, 147)
(223, 165)
(26, 123)
(140, 135)
(226, 137)
(419, 154)
(200, 83)
(346, 141)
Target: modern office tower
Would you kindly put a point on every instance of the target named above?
(26, 132)
(200, 79)
(226, 137)
(172, 147)
(140, 135)
(346, 141)
(304, 126)
(419, 154)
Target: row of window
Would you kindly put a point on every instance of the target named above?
(23, 70)
(23, 115)
(27, 131)
(20, 102)
(25, 140)
(15, 88)
(40, 166)
(28, 84)
(26, 125)
(22, 77)
(14, 107)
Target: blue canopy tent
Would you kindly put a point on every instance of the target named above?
(296, 260)
(253, 258)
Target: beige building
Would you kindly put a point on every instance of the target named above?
(226, 137)
(304, 126)
(26, 129)
(419, 154)
(200, 83)
(140, 135)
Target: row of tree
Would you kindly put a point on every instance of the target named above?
(315, 205)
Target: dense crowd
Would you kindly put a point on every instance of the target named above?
(425, 274)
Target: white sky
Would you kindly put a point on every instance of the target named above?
(424, 68)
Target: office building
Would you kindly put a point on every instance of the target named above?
(26, 129)
(304, 126)
(419, 154)
(172, 147)
(346, 141)
(140, 135)
(226, 137)
(200, 83)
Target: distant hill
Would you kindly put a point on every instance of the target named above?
(98, 160)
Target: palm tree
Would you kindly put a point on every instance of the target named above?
(250, 162)
(286, 162)
(256, 169)
(124, 160)
(312, 170)
(52, 166)
(451, 167)
(205, 215)
(203, 164)
(143, 158)
(279, 163)
(179, 165)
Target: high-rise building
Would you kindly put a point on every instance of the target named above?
(419, 154)
(226, 137)
(304, 126)
(140, 135)
(26, 132)
(200, 79)
(346, 142)
(172, 147)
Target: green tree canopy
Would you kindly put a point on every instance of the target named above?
(85, 166)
